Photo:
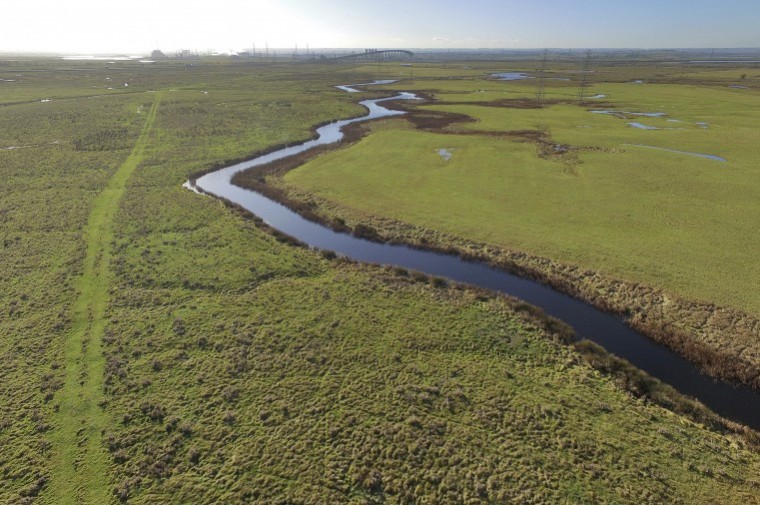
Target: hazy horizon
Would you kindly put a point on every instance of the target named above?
(336, 50)
(90, 27)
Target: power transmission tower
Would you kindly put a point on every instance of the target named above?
(540, 92)
(586, 65)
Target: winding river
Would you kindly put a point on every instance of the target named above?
(740, 404)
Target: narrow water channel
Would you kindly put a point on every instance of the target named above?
(737, 403)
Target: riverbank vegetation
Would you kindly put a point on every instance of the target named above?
(239, 369)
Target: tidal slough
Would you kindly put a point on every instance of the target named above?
(737, 403)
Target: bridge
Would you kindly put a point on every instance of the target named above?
(376, 55)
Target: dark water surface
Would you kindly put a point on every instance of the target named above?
(737, 403)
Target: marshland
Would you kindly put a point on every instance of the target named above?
(527, 277)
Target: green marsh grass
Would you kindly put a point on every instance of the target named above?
(237, 369)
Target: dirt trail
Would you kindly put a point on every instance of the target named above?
(80, 462)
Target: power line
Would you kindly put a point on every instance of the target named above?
(586, 65)
(540, 92)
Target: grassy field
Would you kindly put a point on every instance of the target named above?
(207, 362)
(65, 153)
(577, 187)
(668, 219)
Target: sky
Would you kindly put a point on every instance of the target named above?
(138, 26)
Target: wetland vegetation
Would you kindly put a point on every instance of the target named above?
(663, 238)
(159, 346)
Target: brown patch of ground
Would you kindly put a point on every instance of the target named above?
(510, 103)
(435, 121)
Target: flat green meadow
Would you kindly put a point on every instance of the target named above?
(671, 220)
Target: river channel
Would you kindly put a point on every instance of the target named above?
(740, 404)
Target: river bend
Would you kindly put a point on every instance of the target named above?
(740, 404)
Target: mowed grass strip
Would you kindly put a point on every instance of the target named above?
(80, 471)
